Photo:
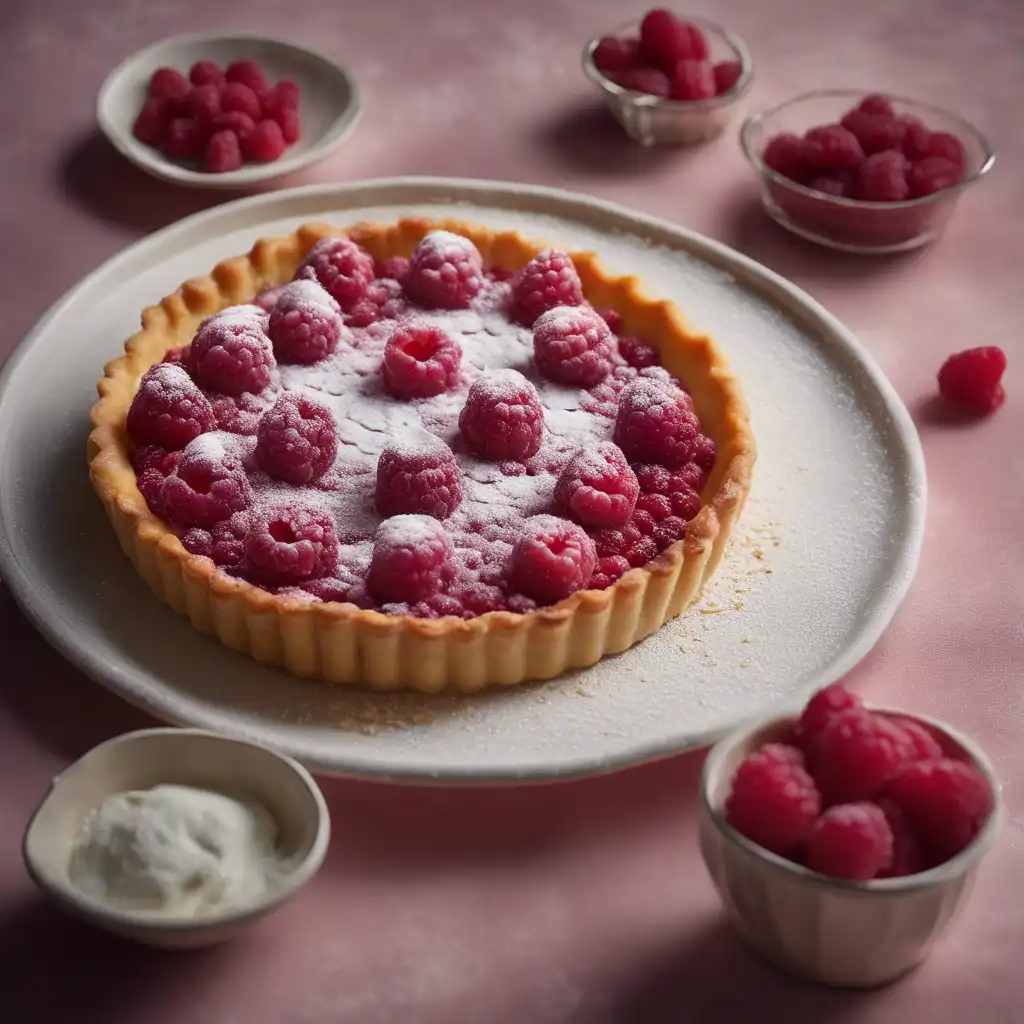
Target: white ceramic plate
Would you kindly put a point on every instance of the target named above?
(821, 559)
(329, 108)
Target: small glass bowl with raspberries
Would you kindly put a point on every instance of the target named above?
(843, 840)
(670, 79)
(863, 173)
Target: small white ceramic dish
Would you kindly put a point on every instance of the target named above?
(330, 105)
(832, 931)
(191, 757)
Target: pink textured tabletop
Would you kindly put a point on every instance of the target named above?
(584, 902)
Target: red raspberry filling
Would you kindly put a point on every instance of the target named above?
(291, 544)
(547, 281)
(973, 379)
(445, 272)
(552, 559)
(850, 841)
(232, 354)
(597, 487)
(305, 323)
(655, 423)
(208, 484)
(410, 553)
(503, 419)
(420, 360)
(297, 439)
(168, 409)
(418, 477)
(608, 570)
(573, 345)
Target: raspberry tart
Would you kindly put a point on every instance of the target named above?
(424, 455)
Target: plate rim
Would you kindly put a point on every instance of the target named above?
(433, 188)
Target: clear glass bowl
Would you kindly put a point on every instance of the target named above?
(848, 224)
(652, 121)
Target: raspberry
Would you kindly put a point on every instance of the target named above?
(248, 310)
(915, 138)
(168, 409)
(410, 553)
(445, 271)
(552, 559)
(207, 485)
(665, 40)
(608, 570)
(151, 122)
(284, 96)
(931, 175)
(206, 72)
(267, 299)
(203, 104)
(168, 84)
(641, 550)
(693, 80)
(420, 360)
(418, 477)
(837, 183)
(971, 378)
(947, 801)
(831, 147)
(908, 857)
(290, 544)
(657, 506)
(876, 104)
(612, 55)
(704, 453)
(503, 418)
(597, 487)
(685, 503)
(223, 152)
(856, 755)
(248, 73)
(291, 125)
(773, 801)
(882, 177)
(642, 522)
(197, 542)
(850, 841)
(547, 281)
(727, 74)
(233, 121)
(948, 147)
(784, 154)
(875, 132)
(305, 323)
(653, 479)
(237, 96)
(668, 531)
(655, 424)
(297, 439)
(180, 357)
(821, 709)
(228, 538)
(381, 300)
(925, 746)
(238, 414)
(184, 139)
(612, 318)
(342, 267)
(154, 457)
(394, 268)
(265, 143)
(232, 355)
(646, 80)
(572, 345)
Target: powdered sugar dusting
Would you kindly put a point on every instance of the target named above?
(308, 297)
(408, 531)
(447, 245)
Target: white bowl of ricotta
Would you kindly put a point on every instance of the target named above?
(177, 838)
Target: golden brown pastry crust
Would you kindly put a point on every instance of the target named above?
(345, 644)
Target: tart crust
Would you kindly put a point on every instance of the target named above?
(344, 644)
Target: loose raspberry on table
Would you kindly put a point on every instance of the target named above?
(665, 40)
(785, 155)
(597, 487)
(233, 121)
(168, 409)
(908, 854)
(875, 132)
(655, 423)
(305, 323)
(151, 122)
(168, 84)
(923, 743)
(639, 353)
(394, 268)
(410, 554)
(857, 754)
(851, 841)
(650, 81)
(290, 544)
(418, 476)
(445, 271)
(297, 439)
(876, 104)
(831, 147)
(931, 175)
(248, 73)
(203, 104)
(265, 143)
(972, 379)
(947, 801)
(821, 709)
(233, 354)
(420, 360)
(572, 345)
(693, 80)
(609, 569)
(613, 54)
(882, 177)
(727, 73)
(207, 485)
(503, 419)
(184, 138)
(773, 801)
(206, 72)
(552, 559)
(236, 96)
(223, 153)
(342, 267)
(547, 281)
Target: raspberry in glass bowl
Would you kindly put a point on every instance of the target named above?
(844, 839)
(670, 79)
(864, 173)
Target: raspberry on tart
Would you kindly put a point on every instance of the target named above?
(168, 409)
(655, 423)
(548, 280)
(420, 360)
(207, 485)
(233, 354)
(445, 271)
(418, 476)
(503, 417)
(290, 544)
(573, 345)
(305, 323)
(297, 439)
(597, 487)
(342, 267)
(410, 553)
(552, 559)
